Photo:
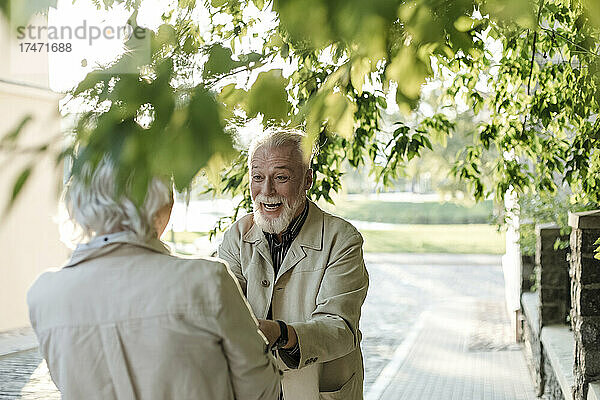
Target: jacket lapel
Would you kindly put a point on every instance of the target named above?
(310, 236)
(294, 255)
(256, 237)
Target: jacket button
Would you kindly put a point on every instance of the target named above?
(265, 283)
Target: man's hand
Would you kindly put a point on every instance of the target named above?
(271, 331)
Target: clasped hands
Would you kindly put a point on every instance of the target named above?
(271, 330)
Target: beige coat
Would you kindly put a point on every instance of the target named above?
(319, 290)
(125, 320)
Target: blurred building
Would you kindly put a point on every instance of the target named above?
(29, 239)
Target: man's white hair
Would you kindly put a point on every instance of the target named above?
(275, 137)
(95, 208)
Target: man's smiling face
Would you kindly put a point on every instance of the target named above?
(278, 184)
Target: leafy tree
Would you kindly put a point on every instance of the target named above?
(544, 98)
(543, 208)
(174, 116)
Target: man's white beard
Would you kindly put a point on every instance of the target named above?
(279, 224)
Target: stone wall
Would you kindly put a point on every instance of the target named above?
(528, 275)
(549, 305)
(553, 278)
(565, 363)
(585, 296)
(552, 389)
(532, 343)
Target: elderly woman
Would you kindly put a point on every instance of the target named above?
(124, 319)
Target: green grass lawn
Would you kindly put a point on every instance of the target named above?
(421, 227)
(394, 212)
(463, 239)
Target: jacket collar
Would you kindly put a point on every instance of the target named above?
(104, 244)
(310, 236)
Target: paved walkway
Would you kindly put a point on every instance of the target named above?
(24, 375)
(455, 354)
(459, 348)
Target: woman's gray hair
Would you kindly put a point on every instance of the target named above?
(93, 204)
(275, 137)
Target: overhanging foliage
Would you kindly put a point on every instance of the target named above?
(540, 101)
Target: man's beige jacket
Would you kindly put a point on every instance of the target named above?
(319, 290)
(125, 320)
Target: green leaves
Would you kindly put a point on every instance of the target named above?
(420, 22)
(409, 70)
(541, 103)
(592, 11)
(327, 166)
(19, 184)
(360, 69)
(339, 113)
(9, 139)
(465, 24)
(219, 61)
(21, 11)
(268, 96)
(306, 21)
(9, 144)
(331, 109)
(193, 136)
(536, 90)
(150, 129)
(166, 36)
(521, 13)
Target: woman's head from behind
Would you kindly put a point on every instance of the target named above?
(97, 208)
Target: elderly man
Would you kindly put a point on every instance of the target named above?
(302, 271)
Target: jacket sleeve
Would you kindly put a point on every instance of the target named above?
(253, 369)
(229, 250)
(332, 330)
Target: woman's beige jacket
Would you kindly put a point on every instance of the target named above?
(126, 320)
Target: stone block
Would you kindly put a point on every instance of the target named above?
(551, 294)
(554, 259)
(587, 332)
(528, 273)
(585, 299)
(589, 302)
(589, 364)
(555, 275)
(553, 314)
(546, 243)
(589, 270)
(588, 238)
